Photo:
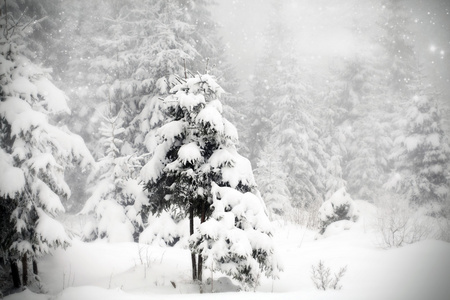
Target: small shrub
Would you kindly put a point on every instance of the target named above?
(321, 276)
(305, 216)
(399, 224)
(339, 207)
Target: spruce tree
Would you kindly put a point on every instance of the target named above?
(196, 151)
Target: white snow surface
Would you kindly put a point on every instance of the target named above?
(130, 271)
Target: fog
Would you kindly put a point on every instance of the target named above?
(324, 29)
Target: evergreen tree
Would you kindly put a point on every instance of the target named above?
(261, 105)
(34, 152)
(45, 17)
(237, 239)
(283, 112)
(358, 129)
(117, 196)
(422, 153)
(196, 150)
(130, 48)
(397, 40)
(272, 180)
(297, 138)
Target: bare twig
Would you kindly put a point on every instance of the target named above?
(322, 279)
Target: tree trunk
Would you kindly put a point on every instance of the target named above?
(24, 269)
(191, 231)
(35, 267)
(15, 273)
(200, 268)
(200, 258)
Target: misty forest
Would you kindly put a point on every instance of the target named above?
(255, 149)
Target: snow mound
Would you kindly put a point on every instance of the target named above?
(220, 285)
(337, 227)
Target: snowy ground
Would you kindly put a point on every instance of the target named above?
(129, 271)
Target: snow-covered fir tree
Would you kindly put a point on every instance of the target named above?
(196, 156)
(271, 178)
(117, 196)
(34, 152)
(237, 239)
(45, 18)
(357, 131)
(422, 153)
(283, 112)
(297, 137)
(261, 106)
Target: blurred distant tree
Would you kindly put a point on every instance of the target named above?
(271, 179)
(284, 111)
(261, 106)
(117, 196)
(397, 39)
(359, 125)
(422, 153)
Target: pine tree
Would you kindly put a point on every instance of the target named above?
(33, 154)
(196, 150)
